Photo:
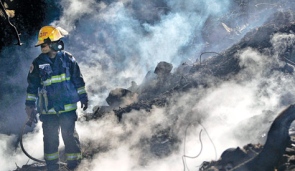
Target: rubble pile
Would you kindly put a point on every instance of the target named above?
(219, 67)
(160, 85)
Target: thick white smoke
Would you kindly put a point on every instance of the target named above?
(225, 112)
(111, 41)
(113, 47)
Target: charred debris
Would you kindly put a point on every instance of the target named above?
(161, 84)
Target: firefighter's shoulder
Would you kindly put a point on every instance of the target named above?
(70, 56)
(32, 66)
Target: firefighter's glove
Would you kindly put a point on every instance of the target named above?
(30, 110)
(84, 103)
(31, 113)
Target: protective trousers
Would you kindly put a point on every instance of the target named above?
(51, 125)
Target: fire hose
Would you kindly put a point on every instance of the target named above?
(29, 123)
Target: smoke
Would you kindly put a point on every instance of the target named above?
(110, 38)
(116, 42)
(116, 38)
(226, 113)
(12, 157)
(13, 90)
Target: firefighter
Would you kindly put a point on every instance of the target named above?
(55, 85)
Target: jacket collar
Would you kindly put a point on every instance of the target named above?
(46, 58)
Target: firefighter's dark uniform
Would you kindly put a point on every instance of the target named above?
(61, 81)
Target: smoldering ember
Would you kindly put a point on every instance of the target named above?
(180, 117)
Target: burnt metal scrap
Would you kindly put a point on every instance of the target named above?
(273, 155)
(17, 34)
(232, 157)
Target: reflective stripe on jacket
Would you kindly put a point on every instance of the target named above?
(63, 82)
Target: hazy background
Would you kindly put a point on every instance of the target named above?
(116, 42)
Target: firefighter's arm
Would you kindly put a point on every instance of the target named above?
(78, 81)
(34, 82)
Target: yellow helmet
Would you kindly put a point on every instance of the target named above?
(54, 34)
